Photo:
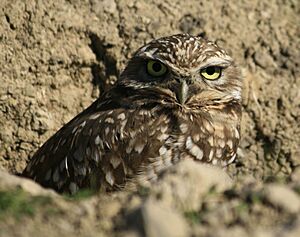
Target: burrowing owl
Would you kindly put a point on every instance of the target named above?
(178, 98)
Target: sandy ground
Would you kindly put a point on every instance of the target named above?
(56, 57)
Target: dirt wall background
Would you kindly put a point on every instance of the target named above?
(56, 57)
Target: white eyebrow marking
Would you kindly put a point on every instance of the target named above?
(214, 61)
(149, 54)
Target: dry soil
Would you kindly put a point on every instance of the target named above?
(56, 57)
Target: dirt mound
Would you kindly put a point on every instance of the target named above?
(57, 57)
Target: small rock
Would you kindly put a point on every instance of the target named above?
(106, 5)
(86, 54)
(283, 197)
(160, 220)
(296, 175)
(8, 182)
(6, 135)
(42, 121)
(229, 232)
(263, 59)
(30, 91)
(184, 184)
(295, 158)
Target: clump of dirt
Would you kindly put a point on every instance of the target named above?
(57, 57)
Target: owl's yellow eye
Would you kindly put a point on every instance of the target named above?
(211, 73)
(155, 68)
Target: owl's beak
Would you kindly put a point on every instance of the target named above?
(182, 92)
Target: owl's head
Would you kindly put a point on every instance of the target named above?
(187, 70)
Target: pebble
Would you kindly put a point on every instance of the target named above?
(283, 197)
(160, 220)
(185, 184)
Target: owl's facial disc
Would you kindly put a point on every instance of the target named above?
(184, 68)
(186, 87)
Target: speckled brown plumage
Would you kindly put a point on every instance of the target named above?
(146, 123)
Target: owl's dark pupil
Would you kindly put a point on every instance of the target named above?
(156, 67)
(210, 70)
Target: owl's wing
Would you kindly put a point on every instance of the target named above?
(99, 148)
(64, 161)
